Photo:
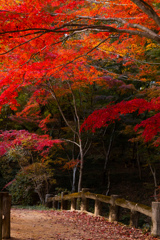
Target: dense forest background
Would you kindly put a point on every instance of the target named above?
(80, 108)
(116, 162)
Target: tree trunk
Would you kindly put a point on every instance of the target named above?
(153, 171)
(107, 156)
(139, 164)
(74, 179)
(81, 166)
(40, 197)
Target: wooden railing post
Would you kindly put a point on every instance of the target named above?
(1, 207)
(84, 203)
(55, 203)
(155, 231)
(48, 204)
(134, 217)
(97, 207)
(73, 204)
(6, 214)
(63, 202)
(114, 210)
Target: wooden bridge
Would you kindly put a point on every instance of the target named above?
(71, 202)
(76, 201)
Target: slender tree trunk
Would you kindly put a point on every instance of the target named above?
(107, 156)
(153, 171)
(81, 166)
(40, 196)
(138, 162)
(108, 185)
(76, 130)
(75, 167)
(74, 179)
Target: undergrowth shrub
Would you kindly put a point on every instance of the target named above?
(22, 191)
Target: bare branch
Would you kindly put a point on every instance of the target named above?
(123, 21)
(67, 140)
(146, 8)
(21, 44)
(59, 107)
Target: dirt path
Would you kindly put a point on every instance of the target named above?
(66, 225)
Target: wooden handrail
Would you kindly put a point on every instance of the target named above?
(115, 202)
(134, 206)
(121, 202)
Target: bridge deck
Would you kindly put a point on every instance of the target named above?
(66, 225)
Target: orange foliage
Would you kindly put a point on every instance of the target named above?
(43, 42)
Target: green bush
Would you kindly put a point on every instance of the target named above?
(35, 207)
(22, 191)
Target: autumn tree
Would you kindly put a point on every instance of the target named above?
(30, 152)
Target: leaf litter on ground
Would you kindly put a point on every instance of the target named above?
(90, 227)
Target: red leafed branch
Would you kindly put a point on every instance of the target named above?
(106, 116)
(151, 128)
(30, 141)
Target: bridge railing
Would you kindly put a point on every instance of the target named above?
(71, 200)
(5, 206)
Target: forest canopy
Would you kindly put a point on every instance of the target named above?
(76, 77)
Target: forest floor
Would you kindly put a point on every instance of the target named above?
(66, 225)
